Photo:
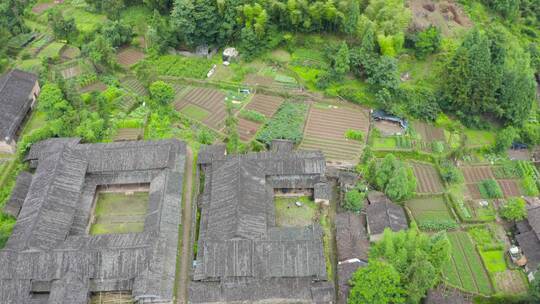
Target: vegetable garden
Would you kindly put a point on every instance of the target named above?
(431, 213)
(428, 180)
(465, 271)
(210, 100)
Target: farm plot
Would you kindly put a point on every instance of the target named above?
(429, 210)
(247, 129)
(476, 174)
(129, 134)
(265, 104)
(258, 80)
(465, 270)
(51, 51)
(97, 86)
(134, 85)
(326, 127)
(510, 282)
(70, 52)
(41, 7)
(128, 57)
(428, 180)
(429, 133)
(210, 100)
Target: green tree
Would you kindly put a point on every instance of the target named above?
(197, 21)
(91, 128)
(390, 16)
(342, 61)
(385, 171)
(354, 200)
(504, 139)
(100, 52)
(62, 28)
(117, 33)
(161, 93)
(416, 256)
(401, 185)
(515, 209)
(51, 102)
(383, 73)
(427, 42)
(377, 283)
(159, 127)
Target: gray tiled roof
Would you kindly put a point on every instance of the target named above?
(242, 255)
(382, 214)
(50, 244)
(15, 89)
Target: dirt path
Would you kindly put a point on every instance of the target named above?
(185, 259)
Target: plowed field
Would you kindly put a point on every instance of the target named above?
(265, 104)
(325, 130)
(211, 100)
(129, 57)
(427, 178)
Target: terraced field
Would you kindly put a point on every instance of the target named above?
(97, 86)
(325, 130)
(465, 270)
(475, 174)
(265, 104)
(211, 100)
(127, 134)
(429, 133)
(135, 86)
(129, 57)
(247, 129)
(429, 209)
(427, 178)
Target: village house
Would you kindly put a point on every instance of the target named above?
(18, 94)
(52, 257)
(528, 237)
(382, 213)
(243, 256)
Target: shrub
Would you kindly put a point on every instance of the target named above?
(252, 115)
(514, 210)
(428, 41)
(287, 123)
(450, 173)
(489, 188)
(529, 186)
(354, 200)
(354, 135)
(437, 147)
(437, 224)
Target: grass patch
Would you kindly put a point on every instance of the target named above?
(494, 260)
(86, 22)
(384, 143)
(51, 51)
(178, 66)
(120, 213)
(29, 65)
(478, 138)
(195, 112)
(431, 213)
(290, 215)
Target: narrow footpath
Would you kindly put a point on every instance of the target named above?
(185, 260)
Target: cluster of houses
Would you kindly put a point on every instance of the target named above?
(242, 256)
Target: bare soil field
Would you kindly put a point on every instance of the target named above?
(446, 15)
(128, 134)
(211, 100)
(511, 282)
(41, 7)
(475, 174)
(388, 128)
(70, 52)
(254, 79)
(95, 87)
(428, 180)
(429, 132)
(247, 129)
(71, 72)
(325, 130)
(265, 104)
(129, 56)
(473, 191)
(510, 187)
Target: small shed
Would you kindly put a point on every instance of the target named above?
(322, 193)
(230, 54)
(382, 213)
